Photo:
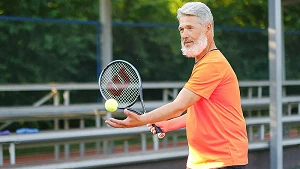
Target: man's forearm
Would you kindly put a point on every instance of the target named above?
(163, 113)
(175, 123)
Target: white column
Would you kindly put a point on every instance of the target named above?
(1, 155)
(106, 32)
(275, 70)
(12, 153)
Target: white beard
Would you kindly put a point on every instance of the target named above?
(193, 51)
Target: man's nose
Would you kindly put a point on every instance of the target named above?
(184, 34)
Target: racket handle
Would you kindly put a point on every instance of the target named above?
(160, 133)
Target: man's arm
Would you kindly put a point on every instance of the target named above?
(184, 100)
(169, 125)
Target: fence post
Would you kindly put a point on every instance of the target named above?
(12, 153)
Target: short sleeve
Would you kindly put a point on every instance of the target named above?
(204, 79)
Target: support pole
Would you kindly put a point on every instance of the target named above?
(275, 70)
(106, 32)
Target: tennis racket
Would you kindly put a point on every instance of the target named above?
(121, 81)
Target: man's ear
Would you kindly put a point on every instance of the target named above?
(208, 27)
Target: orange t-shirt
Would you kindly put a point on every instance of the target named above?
(216, 128)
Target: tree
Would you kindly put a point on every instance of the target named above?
(44, 52)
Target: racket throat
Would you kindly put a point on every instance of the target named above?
(135, 111)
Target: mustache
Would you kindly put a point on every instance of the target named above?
(186, 40)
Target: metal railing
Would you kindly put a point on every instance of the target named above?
(255, 103)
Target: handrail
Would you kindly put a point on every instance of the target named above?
(109, 133)
(49, 136)
(76, 134)
(146, 85)
(50, 110)
(256, 125)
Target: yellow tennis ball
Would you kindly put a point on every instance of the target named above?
(111, 105)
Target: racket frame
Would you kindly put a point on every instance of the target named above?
(159, 132)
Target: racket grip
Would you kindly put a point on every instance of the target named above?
(159, 132)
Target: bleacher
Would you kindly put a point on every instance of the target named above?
(254, 102)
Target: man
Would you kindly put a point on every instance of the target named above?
(215, 126)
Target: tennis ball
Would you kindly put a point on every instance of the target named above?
(111, 105)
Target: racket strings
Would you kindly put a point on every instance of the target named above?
(120, 82)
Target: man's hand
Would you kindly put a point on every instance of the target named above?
(158, 124)
(132, 120)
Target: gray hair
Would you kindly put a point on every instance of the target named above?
(198, 9)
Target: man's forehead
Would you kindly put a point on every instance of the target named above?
(185, 23)
(188, 19)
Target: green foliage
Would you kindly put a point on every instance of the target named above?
(39, 52)
(149, 48)
(46, 52)
(296, 167)
(43, 52)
